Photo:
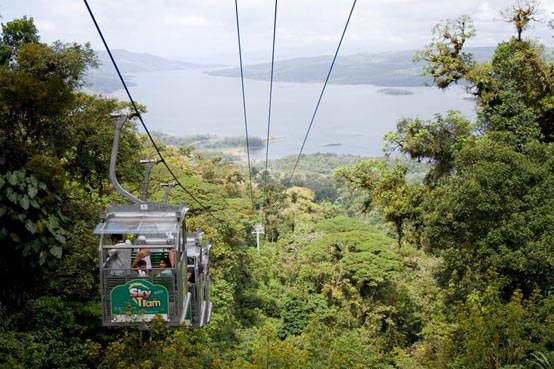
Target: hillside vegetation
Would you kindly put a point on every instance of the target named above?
(441, 259)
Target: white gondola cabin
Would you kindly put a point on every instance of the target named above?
(178, 293)
(177, 290)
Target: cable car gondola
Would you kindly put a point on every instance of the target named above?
(178, 294)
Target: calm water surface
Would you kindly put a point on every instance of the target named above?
(351, 119)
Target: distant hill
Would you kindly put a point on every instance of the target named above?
(105, 79)
(383, 69)
(132, 62)
(391, 69)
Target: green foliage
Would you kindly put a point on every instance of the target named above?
(514, 92)
(49, 337)
(490, 333)
(18, 351)
(493, 215)
(180, 141)
(33, 230)
(14, 34)
(340, 224)
(271, 352)
(75, 274)
(363, 256)
(383, 189)
(328, 346)
(324, 186)
(297, 307)
(355, 270)
(445, 61)
(273, 201)
(520, 14)
(210, 196)
(92, 134)
(37, 93)
(313, 172)
(158, 347)
(517, 95)
(255, 143)
(543, 361)
(435, 141)
(487, 204)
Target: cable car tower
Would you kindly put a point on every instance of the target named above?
(151, 232)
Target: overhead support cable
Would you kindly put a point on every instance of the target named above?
(322, 91)
(139, 115)
(270, 93)
(244, 106)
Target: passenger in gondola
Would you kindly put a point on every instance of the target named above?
(142, 254)
(171, 250)
(171, 257)
(142, 269)
(118, 259)
(190, 275)
(165, 268)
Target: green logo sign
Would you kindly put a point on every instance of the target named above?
(139, 300)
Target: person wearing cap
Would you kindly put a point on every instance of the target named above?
(171, 251)
(142, 254)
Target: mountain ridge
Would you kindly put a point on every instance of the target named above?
(386, 69)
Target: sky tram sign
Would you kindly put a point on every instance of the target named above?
(139, 300)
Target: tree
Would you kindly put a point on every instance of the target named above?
(491, 333)
(91, 129)
(273, 201)
(516, 92)
(435, 141)
(444, 60)
(37, 92)
(329, 346)
(32, 226)
(491, 215)
(297, 307)
(521, 13)
(487, 214)
(14, 34)
(270, 352)
(384, 189)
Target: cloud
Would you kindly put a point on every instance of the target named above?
(206, 29)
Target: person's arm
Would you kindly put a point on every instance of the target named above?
(138, 258)
(171, 256)
(141, 254)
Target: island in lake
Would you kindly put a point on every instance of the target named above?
(394, 91)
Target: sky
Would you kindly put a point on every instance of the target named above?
(204, 31)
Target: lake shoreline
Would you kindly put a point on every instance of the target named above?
(351, 119)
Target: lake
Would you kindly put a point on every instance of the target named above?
(351, 119)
